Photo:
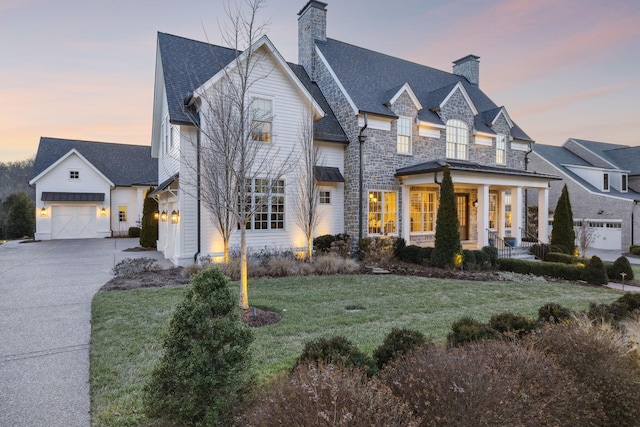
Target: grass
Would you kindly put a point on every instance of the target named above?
(127, 326)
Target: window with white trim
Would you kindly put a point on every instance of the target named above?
(262, 119)
(382, 212)
(605, 181)
(74, 174)
(501, 149)
(457, 140)
(624, 183)
(404, 135)
(493, 211)
(507, 209)
(122, 213)
(267, 198)
(423, 209)
(324, 197)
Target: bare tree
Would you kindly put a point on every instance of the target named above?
(585, 236)
(241, 171)
(306, 208)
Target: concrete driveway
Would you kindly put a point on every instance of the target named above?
(46, 290)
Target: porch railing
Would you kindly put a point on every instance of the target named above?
(504, 250)
(536, 247)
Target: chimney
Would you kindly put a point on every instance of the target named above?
(312, 26)
(468, 67)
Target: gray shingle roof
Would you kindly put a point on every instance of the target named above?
(462, 165)
(368, 76)
(328, 174)
(123, 164)
(627, 158)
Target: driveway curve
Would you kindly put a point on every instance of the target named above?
(46, 290)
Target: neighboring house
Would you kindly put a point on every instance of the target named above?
(90, 189)
(404, 120)
(604, 187)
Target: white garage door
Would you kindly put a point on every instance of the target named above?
(606, 234)
(73, 222)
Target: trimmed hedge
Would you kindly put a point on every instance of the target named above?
(620, 265)
(415, 254)
(564, 258)
(134, 231)
(541, 268)
(634, 249)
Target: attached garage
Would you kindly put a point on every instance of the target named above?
(74, 222)
(606, 234)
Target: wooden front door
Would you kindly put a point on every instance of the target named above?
(462, 207)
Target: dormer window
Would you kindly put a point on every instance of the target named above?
(457, 140)
(74, 174)
(605, 181)
(404, 135)
(501, 149)
(624, 186)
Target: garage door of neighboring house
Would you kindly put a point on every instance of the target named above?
(74, 222)
(607, 234)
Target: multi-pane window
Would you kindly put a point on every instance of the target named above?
(457, 140)
(605, 181)
(423, 210)
(262, 119)
(624, 184)
(325, 197)
(501, 149)
(122, 213)
(507, 209)
(267, 200)
(404, 135)
(382, 212)
(74, 174)
(493, 211)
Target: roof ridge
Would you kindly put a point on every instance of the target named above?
(200, 42)
(92, 142)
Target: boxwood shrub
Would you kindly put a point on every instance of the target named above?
(541, 268)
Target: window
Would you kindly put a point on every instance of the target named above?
(507, 209)
(74, 174)
(493, 210)
(166, 130)
(457, 139)
(404, 135)
(605, 182)
(122, 213)
(382, 212)
(262, 120)
(269, 213)
(501, 149)
(624, 184)
(423, 209)
(325, 197)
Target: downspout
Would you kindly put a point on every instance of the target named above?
(361, 139)
(633, 211)
(195, 256)
(526, 193)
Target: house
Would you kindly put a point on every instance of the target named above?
(603, 180)
(394, 123)
(90, 189)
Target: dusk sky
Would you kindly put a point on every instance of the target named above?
(85, 69)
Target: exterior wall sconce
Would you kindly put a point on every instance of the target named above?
(163, 216)
(43, 211)
(156, 215)
(175, 217)
(103, 211)
(475, 203)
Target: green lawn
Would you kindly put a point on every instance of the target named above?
(126, 326)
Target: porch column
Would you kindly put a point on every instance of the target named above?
(483, 215)
(405, 233)
(516, 213)
(500, 225)
(141, 193)
(543, 214)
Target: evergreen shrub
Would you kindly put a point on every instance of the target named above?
(594, 272)
(554, 313)
(398, 342)
(620, 265)
(134, 232)
(466, 330)
(336, 350)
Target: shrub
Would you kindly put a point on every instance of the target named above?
(620, 265)
(376, 247)
(630, 300)
(397, 343)
(554, 313)
(562, 232)
(634, 249)
(134, 232)
(341, 246)
(282, 267)
(597, 358)
(323, 243)
(468, 260)
(608, 313)
(467, 329)
(541, 268)
(21, 219)
(398, 246)
(203, 376)
(492, 383)
(149, 233)
(447, 238)
(332, 264)
(415, 254)
(561, 257)
(483, 259)
(337, 350)
(134, 265)
(492, 251)
(559, 249)
(594, 272)
(540, 250)
(191, 270)
(508, 323)
(323, 395)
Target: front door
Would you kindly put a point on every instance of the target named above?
(462, 207)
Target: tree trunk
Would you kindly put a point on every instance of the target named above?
(226, 250)
(244, 297)
(310, 247)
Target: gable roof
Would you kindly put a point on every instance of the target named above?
(370, 90)
(122, 164)
(188, 64)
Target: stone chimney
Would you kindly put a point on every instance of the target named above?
(312, 26)
(468, 67)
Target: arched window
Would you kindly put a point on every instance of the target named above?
(457, 140)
